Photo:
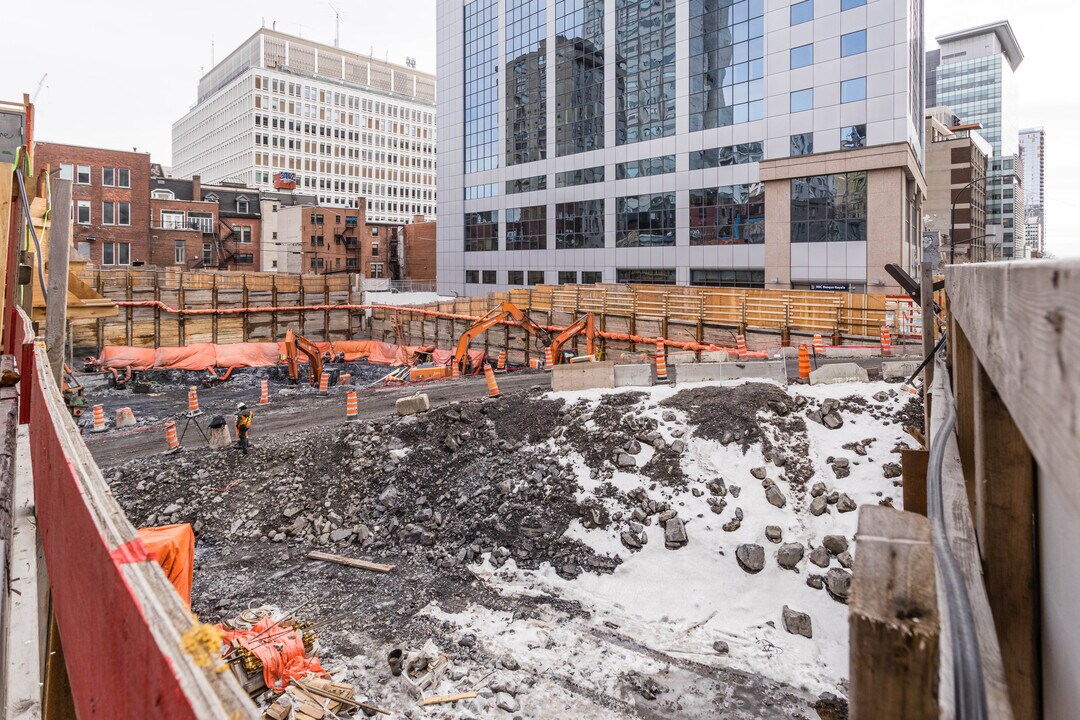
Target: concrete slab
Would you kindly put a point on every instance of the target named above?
(838, 373)
(790, 352)
(583, 376)
(851, 352)
(634, 375)
(775, 370)
(681, 357)
(714, 356)
(898, 369)
(411, 405)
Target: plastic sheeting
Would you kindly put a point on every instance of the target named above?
(173, 547)
(446, 357)
(119, 357)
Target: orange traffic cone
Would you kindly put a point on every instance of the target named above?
(804, 362)
(351, 410)
(345, 379)
(661, 363)
(170, 437)
(455, 372)
(99, 419)
(502, 361)
(819, 345)
(493, 387)
(740, 345)
(549, 358)
(324, 383)
(264, 392)
(193, 402)
(886, 340)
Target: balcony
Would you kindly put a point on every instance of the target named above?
(205, 225)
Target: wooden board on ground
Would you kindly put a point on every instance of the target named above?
(350, 562)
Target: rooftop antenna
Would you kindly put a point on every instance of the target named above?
(337, 25)
(212, 52)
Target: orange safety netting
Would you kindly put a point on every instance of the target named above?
(118, 357)
(173, 547)
(446, 357)
(279, 649)
(252, 354)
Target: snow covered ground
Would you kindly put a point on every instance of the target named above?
(647, 645)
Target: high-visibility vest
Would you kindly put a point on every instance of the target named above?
(243, 420)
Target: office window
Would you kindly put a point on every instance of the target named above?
(567, 277)
(537, 182)
(108, 213)
(645, 276)
(802, 56)
(108, 253)
(536, 277)
(242, 233)
(802, 144)
(526, 228)
(579, 76)
(802, 12)
(526, 78)
(472, 277)
(375, 249)
(108, 176)
(481, 231)
(645, 220)
(728, 155)
(853, 136)
(848, 4)
(853, 90)
(829, 208)
(489, 277)
(727, 63)
(643, 168)
(728, 215)
(116, 253)
(207, 254)
(179, 252)
(123, 213)
(249, 259)
(82, 176)
(475, 192)
(645, 82)
(515, 277)
(67, 171)
(721, 277)
(585, 176)
(802, 100)
(853, 43)
(481, 85)
(579, 225)
(82, 212)
(592, 277)
(123, 177)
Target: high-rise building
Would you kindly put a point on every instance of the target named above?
(957, 160)
(281, 112)
(974, 75)
(1033, 153)
(740, 143)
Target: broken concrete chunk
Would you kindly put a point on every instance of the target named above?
(845, 504)
(815, 581)
(773, 533)
(626, 461)
(674, 534)
(892, 470)
(820, 556)
(507, 702)
(835, 544)
(817, 489)
(797, 623)
(750, 557)
(418, 403)
(845, 560)
(838, 583)
(775, 497)
(789, 555)
(832, 421)
(758, 473)
(717, 487)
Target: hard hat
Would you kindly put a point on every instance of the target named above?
(240, 406)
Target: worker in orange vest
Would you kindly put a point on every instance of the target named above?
(243, 425)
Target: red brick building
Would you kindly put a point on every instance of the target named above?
(110, 198)
(419, 242)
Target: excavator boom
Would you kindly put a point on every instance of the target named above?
(502, 312)
(295, 344)
(584, 325)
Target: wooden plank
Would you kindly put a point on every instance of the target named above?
(914, 464)
(893, 618)
(1005, 523)
(963, 377)
(58, 244)
(350, 562)
(1023, 322)
(440, 699)
(960, 531)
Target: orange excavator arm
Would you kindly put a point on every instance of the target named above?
(298, 343)
(585, 325)
(500, 313)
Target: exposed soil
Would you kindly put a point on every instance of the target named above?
(728, 414)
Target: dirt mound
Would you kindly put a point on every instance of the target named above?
(729, 414)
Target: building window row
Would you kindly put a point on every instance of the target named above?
(110, 176)
(645, 96)
(728, 215)
(528, 184)
(579, 225)
(645, 220)
(526, 228)
(829, 208)
(583, 176)
(526, 78)
(579, 76)
(727, 65)
(644, 168)
(729, 155)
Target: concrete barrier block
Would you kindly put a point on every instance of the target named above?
(838, 373)
(790, 352)
(681, 357)
(898, 369)
(775, 370)
(713, 356)
(124, 418)
(634, 375)
(583, 376)
(851, 352)
(411, 405)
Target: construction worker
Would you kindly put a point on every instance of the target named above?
(243, 425)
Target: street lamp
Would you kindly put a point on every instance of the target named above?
(952, 217)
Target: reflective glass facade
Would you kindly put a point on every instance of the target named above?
(729, 155)
(645, 220)
(482, 231)
(645, 70)
(728, 215)
(720, 277)
(727, 66)
(643, 168)
(526, 228)
(579, 225)
(481, 85)
(526, 73)
(829, 208)
(585, 176)
(646, 276)
(529, 184)
(579, 76)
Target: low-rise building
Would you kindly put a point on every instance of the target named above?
(110, 198)
(957, 162)
(419, 252)
(281, 253)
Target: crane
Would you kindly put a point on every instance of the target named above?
(37, 92)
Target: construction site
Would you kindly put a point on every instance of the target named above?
(287, 497)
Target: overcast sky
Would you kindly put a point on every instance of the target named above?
(121, 72)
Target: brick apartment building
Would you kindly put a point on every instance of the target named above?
(110, 198)
(419, 250)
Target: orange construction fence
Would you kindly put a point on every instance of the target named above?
(173, 547)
